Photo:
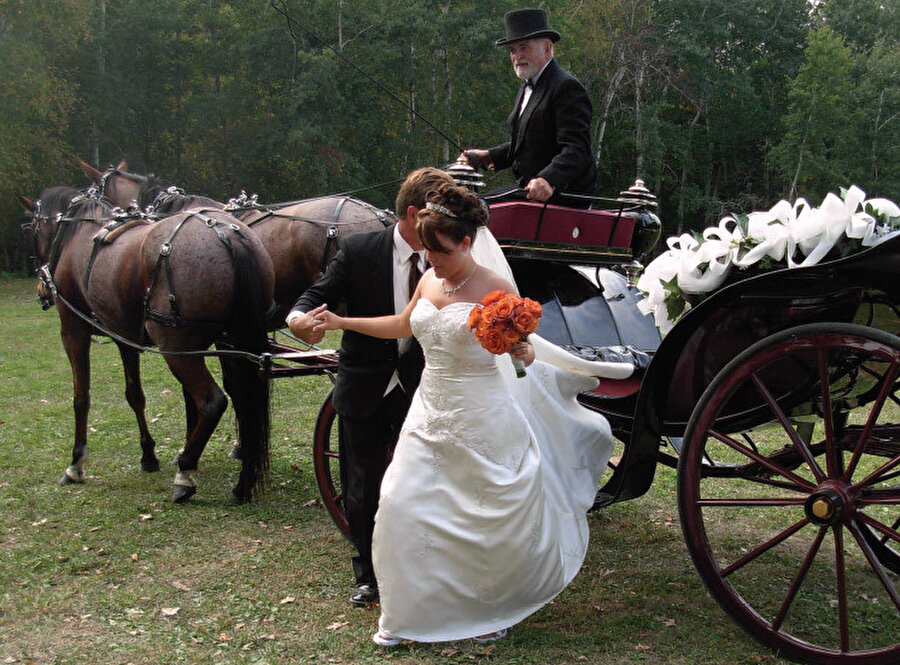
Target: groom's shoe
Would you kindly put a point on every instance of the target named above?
(364, 595)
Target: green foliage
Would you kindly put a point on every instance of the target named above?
(692, 96)
(821, 121)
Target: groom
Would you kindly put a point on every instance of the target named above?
(372, 274)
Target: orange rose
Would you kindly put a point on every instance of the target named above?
(512, 336)
(493, 341)
(475, 316)
(532, 306)
(492, 297)
(504, 308)
(524, 321)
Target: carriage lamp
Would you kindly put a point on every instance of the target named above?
(464, 175)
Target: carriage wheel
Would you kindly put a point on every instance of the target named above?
(803, 555)
(326, 462)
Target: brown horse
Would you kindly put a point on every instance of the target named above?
(301, 237)
(179, 284)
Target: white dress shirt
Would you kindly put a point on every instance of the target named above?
(401, 270)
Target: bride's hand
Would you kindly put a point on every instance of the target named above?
(524, 351)
(324, 320)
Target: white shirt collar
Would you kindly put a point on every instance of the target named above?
(535, 78)
(403, 249)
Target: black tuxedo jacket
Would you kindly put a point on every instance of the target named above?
(361, 277)
(552, 136)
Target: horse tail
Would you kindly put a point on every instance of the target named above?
(249, 390)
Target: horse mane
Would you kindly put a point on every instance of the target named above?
(153, 192)
(56, 199)
(81, 209)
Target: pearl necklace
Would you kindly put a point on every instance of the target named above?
(459, 285)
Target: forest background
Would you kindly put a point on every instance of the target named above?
(719, 106)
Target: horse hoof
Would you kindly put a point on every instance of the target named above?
(68, 480)
(239, 499)
(182, 493)
(235, 453)
(150, 466)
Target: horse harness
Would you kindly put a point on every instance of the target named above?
(173, 318)
(332, 233)
(113, 230)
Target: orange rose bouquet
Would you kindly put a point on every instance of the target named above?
(502, 320)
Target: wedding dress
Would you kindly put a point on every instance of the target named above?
(482, 518)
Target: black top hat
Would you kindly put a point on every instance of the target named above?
(527, 24)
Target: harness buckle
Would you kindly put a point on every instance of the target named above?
(46, 288)
(332, 232)
(165, 249)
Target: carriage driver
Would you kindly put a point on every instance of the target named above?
(549, 149)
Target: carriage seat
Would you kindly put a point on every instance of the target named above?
(611, 388)
(640, 360)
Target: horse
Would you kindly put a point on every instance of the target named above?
(301, 237)
(179, 284)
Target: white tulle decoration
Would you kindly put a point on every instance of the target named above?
(793, 234)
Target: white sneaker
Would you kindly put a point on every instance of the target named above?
(383, 639)
(490, 637)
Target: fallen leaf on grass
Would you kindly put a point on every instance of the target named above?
(134, 557)
(311, 502)
(43, 521)
(181, 586)
(145, 516)
(286, 600)
(224, 638)
(337, 625)
(170, 611)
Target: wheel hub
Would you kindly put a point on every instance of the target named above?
(829, 505)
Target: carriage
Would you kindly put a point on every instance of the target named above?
(775, 398)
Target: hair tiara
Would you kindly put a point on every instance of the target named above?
(441, 209)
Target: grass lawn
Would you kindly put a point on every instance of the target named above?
(112, 572)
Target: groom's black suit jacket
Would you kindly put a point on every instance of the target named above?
(361, 277)
(552, 136)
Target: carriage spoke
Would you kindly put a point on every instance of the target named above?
(798, 442)
(888, 531)
(832, 450)
(875, 564)
(887, 388)
(803, 485)
(840, 573)
(798, 580)
(765, 502)
(876, 476)
(761, 480)
(762, 549)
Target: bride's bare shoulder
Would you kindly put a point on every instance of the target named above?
(495, 282)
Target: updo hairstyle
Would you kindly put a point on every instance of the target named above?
(452, 210)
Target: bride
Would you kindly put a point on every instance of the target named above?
(482, 517)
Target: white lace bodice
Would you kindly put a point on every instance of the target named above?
(450, 347)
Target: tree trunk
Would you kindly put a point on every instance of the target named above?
(639, 117)
(608, 98)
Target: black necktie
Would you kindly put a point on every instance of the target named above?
(415, 273)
